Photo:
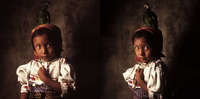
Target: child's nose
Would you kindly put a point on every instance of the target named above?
(44, 50)
(142, 53)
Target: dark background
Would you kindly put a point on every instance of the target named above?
(97, 41)
(79, 22)
(179, 23)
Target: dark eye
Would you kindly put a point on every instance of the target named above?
(38, 46)
(136, 48)
(146, 47)
(48, 45)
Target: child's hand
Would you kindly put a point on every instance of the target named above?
(139, 75)
(139, 78)
(43, 74)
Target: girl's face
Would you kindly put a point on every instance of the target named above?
(142, 50)
(43, 49)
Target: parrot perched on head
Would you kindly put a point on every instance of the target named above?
(149, 17)
(43, 15)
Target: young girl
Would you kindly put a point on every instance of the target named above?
(146, 78)
(48, 75)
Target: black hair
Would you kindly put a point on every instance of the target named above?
(152, 41)
(54, 37)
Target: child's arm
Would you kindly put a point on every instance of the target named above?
(138, 76)
(23, 96)
(22, 73)
(47, 80)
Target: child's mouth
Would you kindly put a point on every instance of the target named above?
(45, 58)
(144, 59)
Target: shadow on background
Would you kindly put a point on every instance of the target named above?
(184, 75)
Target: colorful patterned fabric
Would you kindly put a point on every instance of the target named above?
(138, 93)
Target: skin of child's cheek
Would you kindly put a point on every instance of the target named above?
(142, 52)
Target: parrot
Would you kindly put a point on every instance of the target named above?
(149, 17)
(43, 15)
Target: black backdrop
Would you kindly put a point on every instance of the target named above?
(97, 41)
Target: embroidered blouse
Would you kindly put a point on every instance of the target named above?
(58, 70)
(153, 76)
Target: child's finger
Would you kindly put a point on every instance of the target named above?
(138, 70)
(42, 67)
